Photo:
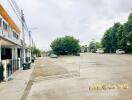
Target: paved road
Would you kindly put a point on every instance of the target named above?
(88, 77)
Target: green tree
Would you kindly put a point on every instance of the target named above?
(110, 38)
(92, 46)
(106, 41)
(36, 51)
(98, 45)
(118, 37)
(65, 45)
(127, 34)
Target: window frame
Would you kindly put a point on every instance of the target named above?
(5, 25)
(0, 22)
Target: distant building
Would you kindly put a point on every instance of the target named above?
(84, 48)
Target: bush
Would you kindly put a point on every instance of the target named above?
(65, 45)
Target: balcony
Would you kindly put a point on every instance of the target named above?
(8, 35)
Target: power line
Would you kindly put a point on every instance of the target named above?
(17, 11)
(17, 7)
(14, 10)
(21, 17)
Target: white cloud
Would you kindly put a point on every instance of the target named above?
(85, 19)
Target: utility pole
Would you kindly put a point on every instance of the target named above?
(23, 36)
(30, 45)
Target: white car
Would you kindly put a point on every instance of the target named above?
(120, 51)
(53, 56)
(100, 50)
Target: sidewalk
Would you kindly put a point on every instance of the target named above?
(13, 89)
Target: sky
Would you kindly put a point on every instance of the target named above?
(84, 19)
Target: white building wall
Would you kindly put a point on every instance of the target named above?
(13, 15)
(10, 11)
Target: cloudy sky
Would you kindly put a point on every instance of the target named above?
(84, 19)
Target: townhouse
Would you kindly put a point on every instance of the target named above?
(11, 46)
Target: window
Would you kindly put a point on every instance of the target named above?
(15, 35)
(5, 53)
(4, 26)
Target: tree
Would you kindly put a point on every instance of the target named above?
(65, 45)
(98, 45)
(127, 34)
(36, 51)
(110, 38)
(92, 46)
(106, 41)
(118, 37)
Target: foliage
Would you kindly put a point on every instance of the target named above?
(36, 51)
(65, 45)
(118, 36)
(92, 46)
(109, 41)
(98, 45)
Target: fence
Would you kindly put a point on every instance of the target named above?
(9, 66)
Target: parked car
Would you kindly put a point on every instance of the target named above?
(100, 50)
(77, 54)
(53, 56)
(120, 51)
(93, 50)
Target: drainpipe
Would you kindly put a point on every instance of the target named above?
(0, 50)
(23, 47)
(30, 49)
(12, 59)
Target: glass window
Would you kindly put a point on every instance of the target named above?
(4, 25)
(15, 35)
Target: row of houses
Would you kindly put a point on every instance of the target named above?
(84, 48)
(12, 54)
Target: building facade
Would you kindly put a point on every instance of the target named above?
(11, 46)
(84, 48)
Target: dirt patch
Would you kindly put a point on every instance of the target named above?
(48, 68)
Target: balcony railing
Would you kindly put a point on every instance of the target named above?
(9, 36)
(9, 67)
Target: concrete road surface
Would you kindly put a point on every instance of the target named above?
(88, 77)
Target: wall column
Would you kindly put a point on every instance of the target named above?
(16, 58)
(21, 59)
(12, 50)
